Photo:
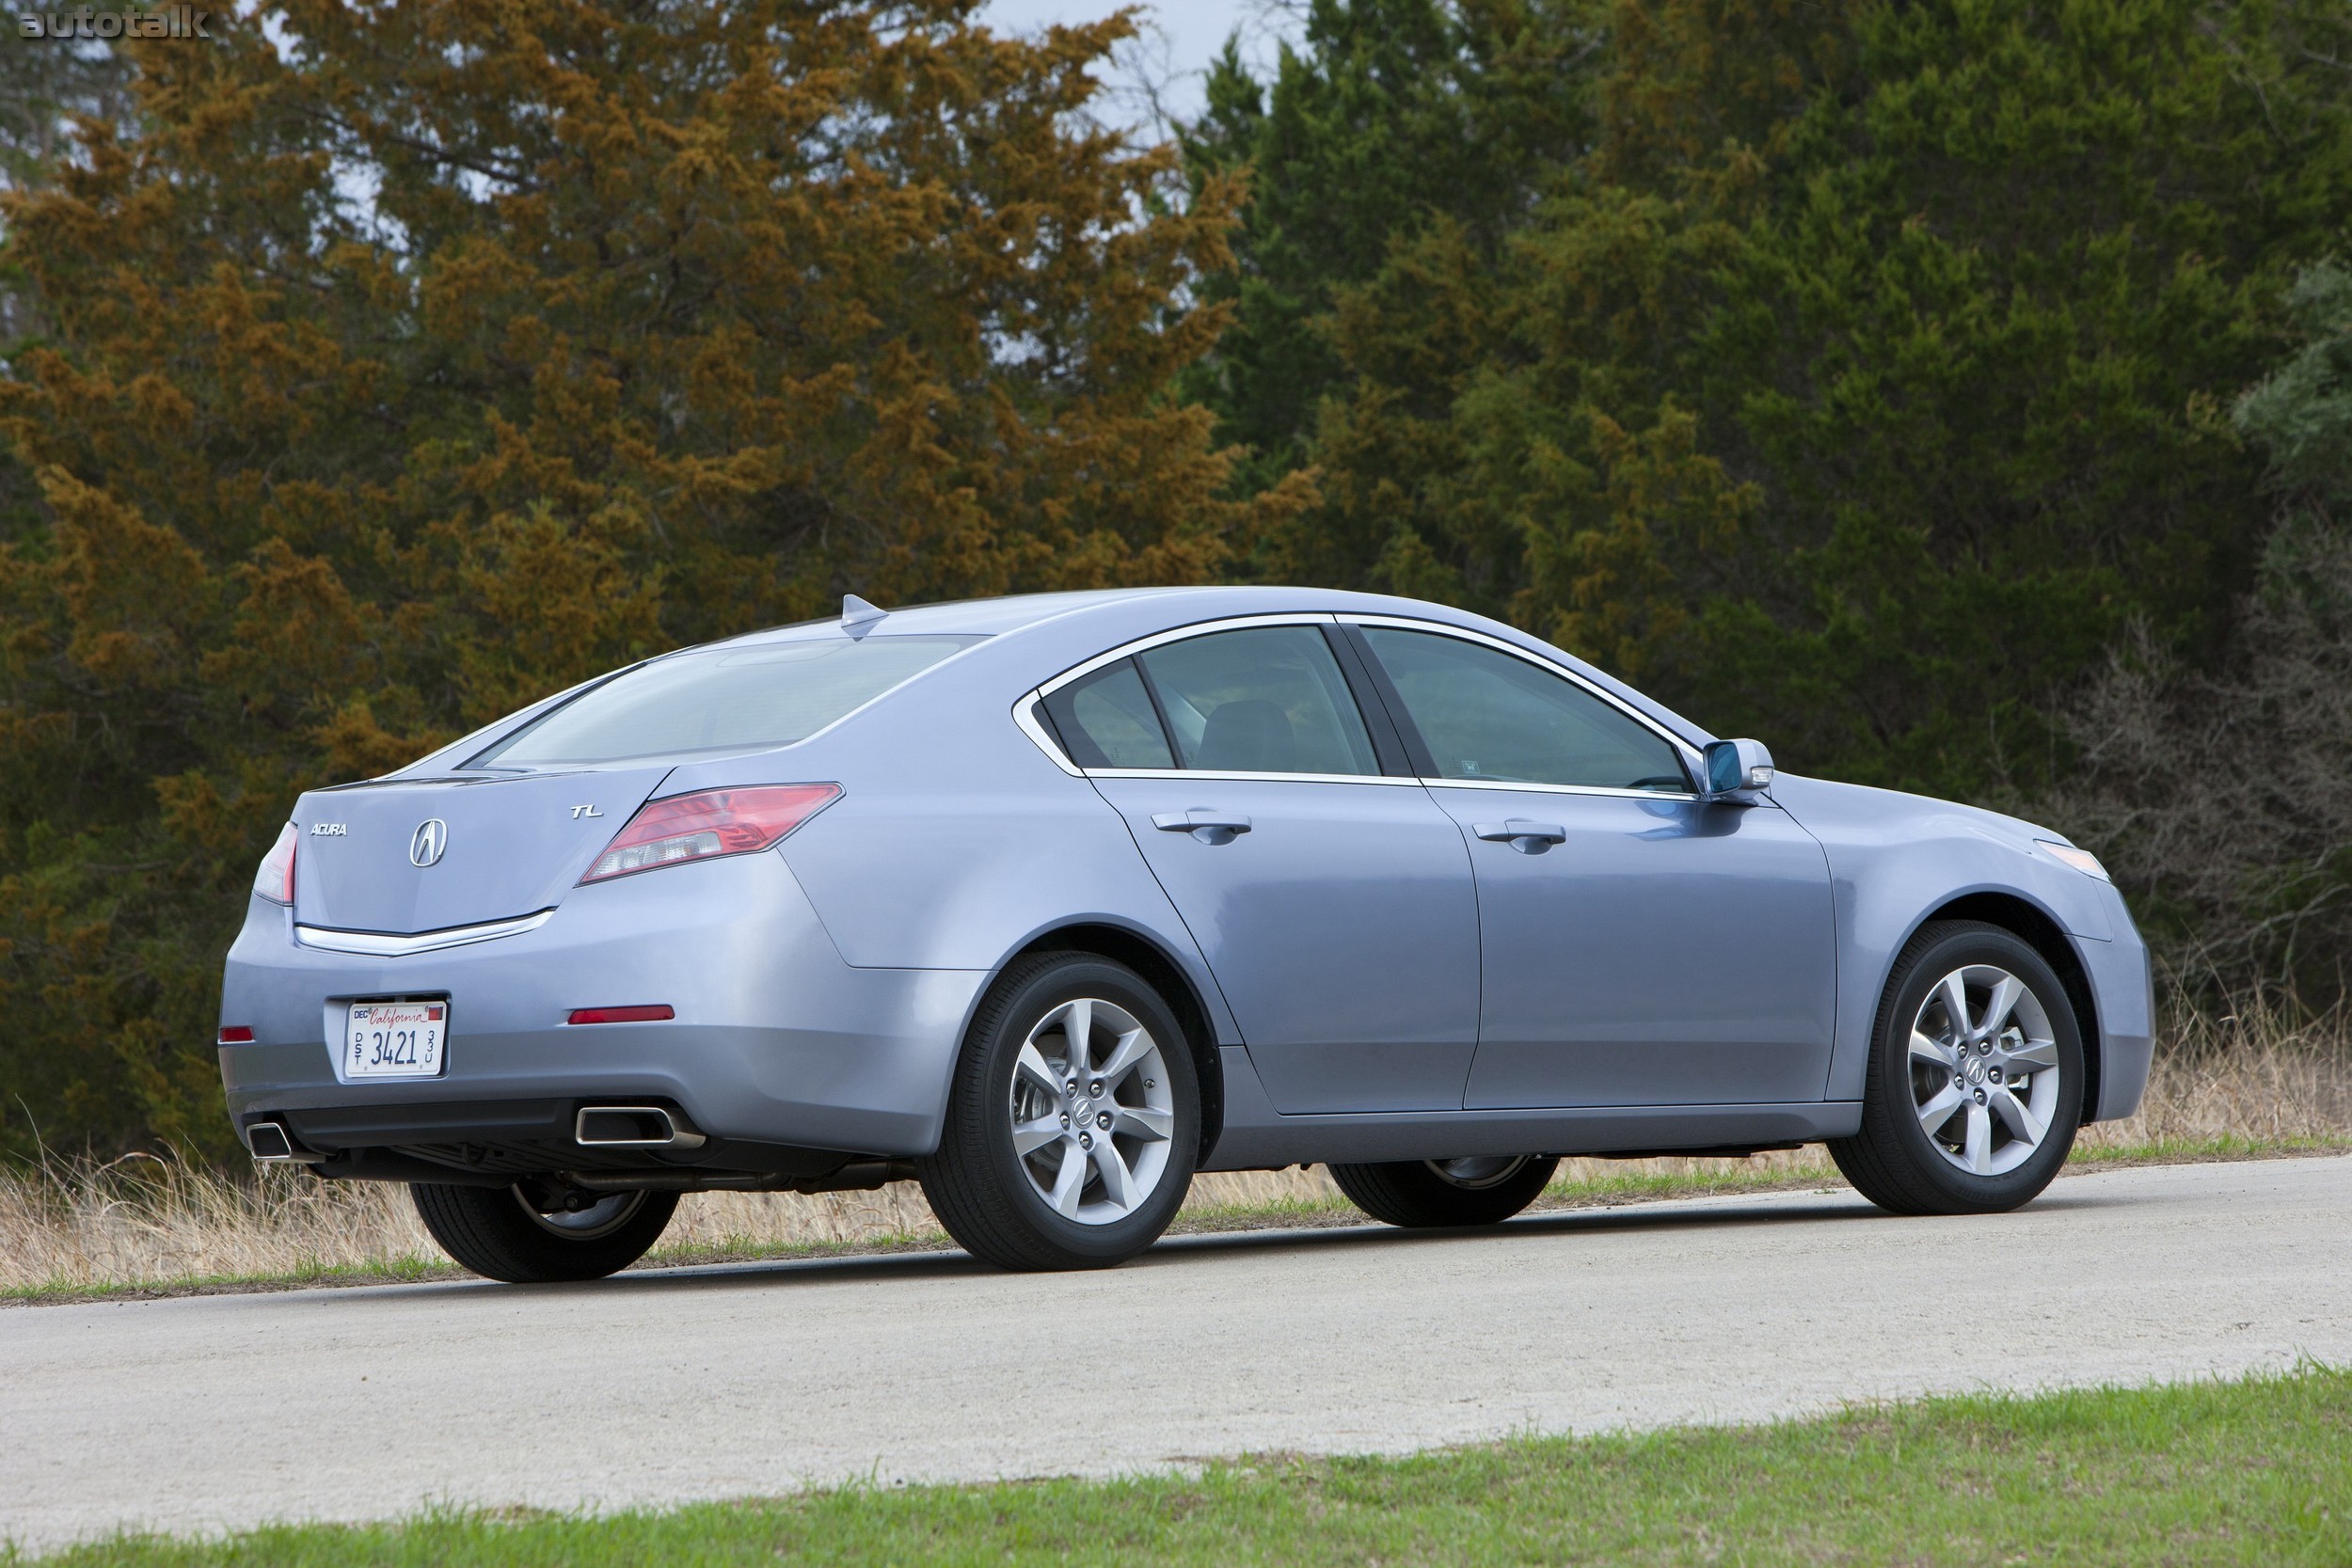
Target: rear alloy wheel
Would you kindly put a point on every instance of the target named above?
(1074, 1121)
(1484, 1188)
(1974, 1089)
(525, 1237)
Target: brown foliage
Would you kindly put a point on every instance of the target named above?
(465, 350)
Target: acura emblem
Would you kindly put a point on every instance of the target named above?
(432, 838)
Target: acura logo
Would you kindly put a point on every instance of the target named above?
(432, 838)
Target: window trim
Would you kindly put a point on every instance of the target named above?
(1029, 708)
(1684, 751)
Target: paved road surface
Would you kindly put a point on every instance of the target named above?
(210, 1413)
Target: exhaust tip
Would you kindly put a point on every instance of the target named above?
(631, 1127)
(272, 1144)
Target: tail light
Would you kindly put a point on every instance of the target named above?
(710, 823)
(275, 880)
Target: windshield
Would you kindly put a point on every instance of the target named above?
(721, 700)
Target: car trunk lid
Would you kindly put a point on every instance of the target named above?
(409, 855)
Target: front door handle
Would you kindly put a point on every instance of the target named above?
(1527, 838)
(1204, 823)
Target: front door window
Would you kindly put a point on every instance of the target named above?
(1489, 717)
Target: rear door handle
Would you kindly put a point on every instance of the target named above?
(1527, 838)
(1205, 823)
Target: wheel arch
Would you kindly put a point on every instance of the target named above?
(2033, 926)
(1147, 957)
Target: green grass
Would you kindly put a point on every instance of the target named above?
(2222, 1146)
(2258, 1471)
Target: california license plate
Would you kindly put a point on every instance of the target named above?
(395, 1039)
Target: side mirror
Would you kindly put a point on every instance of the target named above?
(1734, 768)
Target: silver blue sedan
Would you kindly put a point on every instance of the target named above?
(1048, 903)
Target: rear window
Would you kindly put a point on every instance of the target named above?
(723, 700)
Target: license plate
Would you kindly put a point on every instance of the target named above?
(395, 1039)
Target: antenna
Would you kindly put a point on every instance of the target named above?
(858, 617)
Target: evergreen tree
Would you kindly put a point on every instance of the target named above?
(1859, 383)
(1387, 116)
(440, 354)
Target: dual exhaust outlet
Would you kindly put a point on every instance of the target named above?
(631, 1127)
(594, 1127)
(272, 1145)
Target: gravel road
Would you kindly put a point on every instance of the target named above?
(210, 1413)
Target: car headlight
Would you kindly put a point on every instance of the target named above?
(2081, 859)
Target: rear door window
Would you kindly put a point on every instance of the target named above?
(1259, 700)
(1105, 721)
(725, 698)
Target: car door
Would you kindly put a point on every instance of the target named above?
(1639, 946)
(1332, 900)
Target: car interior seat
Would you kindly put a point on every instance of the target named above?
(1247, 735)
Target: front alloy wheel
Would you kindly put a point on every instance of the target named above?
(1974, 1088)
(1984, 1070)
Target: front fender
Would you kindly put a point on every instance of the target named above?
(1896, 860)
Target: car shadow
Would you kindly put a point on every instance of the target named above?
(1734, 1214)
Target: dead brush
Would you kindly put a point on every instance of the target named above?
(2246, 1080)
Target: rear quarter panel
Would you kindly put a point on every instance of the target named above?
(956, 842)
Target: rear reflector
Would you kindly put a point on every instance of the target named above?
(236, 1034)
(708, 823)
(653, 1014)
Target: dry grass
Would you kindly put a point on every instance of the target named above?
(148, 1223)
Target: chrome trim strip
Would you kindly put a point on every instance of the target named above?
(1024, 715)
(1024, 711)
(1556, 789)
(387, 945)
(1198, 629)
(1248, 778)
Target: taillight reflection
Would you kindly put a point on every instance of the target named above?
(275, 880)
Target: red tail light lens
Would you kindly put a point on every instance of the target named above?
(275, 880)
(236, 1034)
(710, 823)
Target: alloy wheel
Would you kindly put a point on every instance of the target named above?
(1984, 1070)
(1091, 1112)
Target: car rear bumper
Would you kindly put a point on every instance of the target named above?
(776, 1042)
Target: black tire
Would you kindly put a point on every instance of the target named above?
(1419, 1193)
(981, 1190)
(1893, 1160)
(499, 1233)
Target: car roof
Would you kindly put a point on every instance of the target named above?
(1072, 627)
(975, 617)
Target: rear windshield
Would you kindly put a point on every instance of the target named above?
(721, 700)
